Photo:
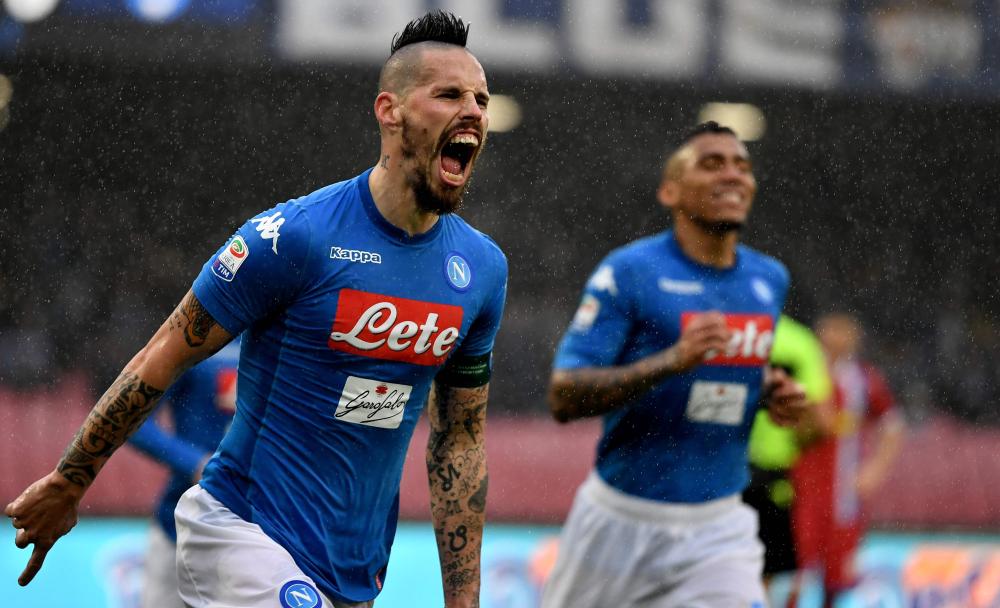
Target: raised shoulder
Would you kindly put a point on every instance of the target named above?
(765, 264)
(332, 194)
(479, 244)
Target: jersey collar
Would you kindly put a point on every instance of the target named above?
(393, 233)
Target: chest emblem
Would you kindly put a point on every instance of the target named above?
(458, 272)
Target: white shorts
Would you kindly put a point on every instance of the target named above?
(620, 550)
(159, 579)
(224, 561)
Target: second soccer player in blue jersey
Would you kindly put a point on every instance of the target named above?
(670, 345)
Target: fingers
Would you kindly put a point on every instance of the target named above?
(34, 565)
(786, 399)
(706, 336)
(21, 540)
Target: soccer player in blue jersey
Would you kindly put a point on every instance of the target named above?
(351, 302)
(670, 345)
(201, 404)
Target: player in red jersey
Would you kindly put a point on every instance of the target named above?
(834, 476)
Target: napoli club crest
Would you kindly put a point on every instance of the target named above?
(458, 272)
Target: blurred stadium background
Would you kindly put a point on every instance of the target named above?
(136, 135)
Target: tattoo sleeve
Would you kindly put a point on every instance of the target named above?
(182, 340)
(456, 470)
(192, 318)
(593, 391)
(117, 415)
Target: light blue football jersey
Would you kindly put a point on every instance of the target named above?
(346, 320)
(684, 441)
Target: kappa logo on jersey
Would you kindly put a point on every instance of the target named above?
(681, 288)
(268, 227)
(604, 280)
(373, 403)
(299, 594)
(355, 255)
(397, 329)
(458, 272)
(230, 259)
(750, 344)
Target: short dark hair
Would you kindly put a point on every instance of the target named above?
(709, 126)
(437, 26)
(672, 168)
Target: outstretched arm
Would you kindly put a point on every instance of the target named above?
(47, 509)
(456, 472)
(593, 391)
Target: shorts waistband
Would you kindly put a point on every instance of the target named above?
(599, 491)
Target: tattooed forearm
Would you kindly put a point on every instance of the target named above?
(456, 469)
(117, 415)
(192, 318)
(594, 391)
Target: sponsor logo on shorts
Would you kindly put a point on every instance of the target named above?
(299, 594)
(230, 259)
(354, 255)
(750, 344)
(397, 329)
(458, 272)
(373, 403)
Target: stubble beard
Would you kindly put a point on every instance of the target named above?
(427, 199)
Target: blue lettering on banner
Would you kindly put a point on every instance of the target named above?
(458, 272)
(299, 594)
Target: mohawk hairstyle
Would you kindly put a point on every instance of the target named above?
(437, 26)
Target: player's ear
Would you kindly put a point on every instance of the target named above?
(667, 193)
(388, 111)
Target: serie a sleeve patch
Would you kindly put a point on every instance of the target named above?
(467, 371)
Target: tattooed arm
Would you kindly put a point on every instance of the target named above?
(456, 471)
(593, 391)
(47, 509)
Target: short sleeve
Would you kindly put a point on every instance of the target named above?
(483, 331)
(597, 333)
(258, 270)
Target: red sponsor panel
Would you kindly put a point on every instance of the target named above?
(396, 329)
(750, 343)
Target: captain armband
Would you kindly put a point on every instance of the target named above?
(467, 371)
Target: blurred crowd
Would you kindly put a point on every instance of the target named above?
(118, 183)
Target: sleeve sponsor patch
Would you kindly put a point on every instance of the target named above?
(467, 372)
(586, 313)
(230, 259)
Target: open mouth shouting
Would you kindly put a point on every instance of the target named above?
(456, 157)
